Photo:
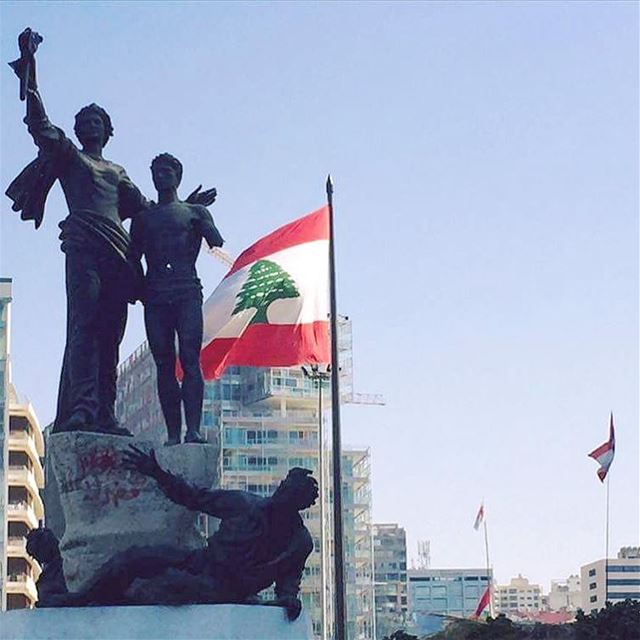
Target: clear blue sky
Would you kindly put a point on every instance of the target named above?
(485, 157)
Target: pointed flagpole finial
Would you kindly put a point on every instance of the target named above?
(329, 184)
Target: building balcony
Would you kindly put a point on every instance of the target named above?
(22, 512)
(22, 417)
(22, 476)
(17, 547)
(301, 400)
(22, 584)
(299, 445)
(25, 442)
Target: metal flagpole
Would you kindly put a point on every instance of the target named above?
(323, 542)
(340, 618)
(606, 548)
(486, 549)
(318, 377)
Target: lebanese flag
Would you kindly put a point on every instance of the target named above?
(483, 603)
(603, 455)
(479, 517)
(272, 308)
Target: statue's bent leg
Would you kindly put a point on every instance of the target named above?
(159, 322)
(190, 342)
(110, 584)
(80, 368)
(112, 322)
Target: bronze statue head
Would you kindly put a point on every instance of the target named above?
(42, 545)
(93, 121)
(299, 489)
(166, 171)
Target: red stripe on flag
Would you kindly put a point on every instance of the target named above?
(268, 345)
(483, 602)
(601, 450)
(314, 226)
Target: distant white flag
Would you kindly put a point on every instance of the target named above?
(479, 517)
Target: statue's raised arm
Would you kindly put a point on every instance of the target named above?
(30, 189)
(99, 273)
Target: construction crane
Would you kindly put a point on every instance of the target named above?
(218, 254)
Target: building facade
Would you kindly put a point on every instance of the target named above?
(565, 595)
(25, 509)
(265, 421)
(5, 321)
(519, 596)
(358, 543)
(390, 578)
(21, 477)
(611, 581)
(451, 592)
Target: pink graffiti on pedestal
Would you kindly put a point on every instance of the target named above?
(101, 476)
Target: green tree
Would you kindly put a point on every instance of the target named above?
(620, 621)
(266, 283)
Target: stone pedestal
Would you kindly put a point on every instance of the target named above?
(193, 622)
(107, 508)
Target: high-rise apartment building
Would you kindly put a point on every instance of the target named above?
(25, 509)
(452, 592)
(390, 578)
(5, 320)
(358, 543)
(21, 477)
(265, 421)
(518, 596)
(622, 575)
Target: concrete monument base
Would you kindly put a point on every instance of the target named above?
(107, 508)
(193, 622)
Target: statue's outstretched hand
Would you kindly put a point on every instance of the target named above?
(144, 463)
(204, 198)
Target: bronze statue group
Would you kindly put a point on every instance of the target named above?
(260, 541)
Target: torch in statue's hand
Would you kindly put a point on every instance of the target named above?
(25, 65)
(144, 463)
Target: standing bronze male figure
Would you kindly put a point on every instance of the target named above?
(170, 235)
(99, 274)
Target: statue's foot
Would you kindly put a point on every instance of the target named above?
(172, 442)
(76, 422)
(194, 437)
(116, 431)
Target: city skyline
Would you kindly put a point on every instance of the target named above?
(485, 166)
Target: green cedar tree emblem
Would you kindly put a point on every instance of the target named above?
(266, 283)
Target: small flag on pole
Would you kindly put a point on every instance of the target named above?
(272, 308)
(483, 602)
(603, 455)
(479, 517)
